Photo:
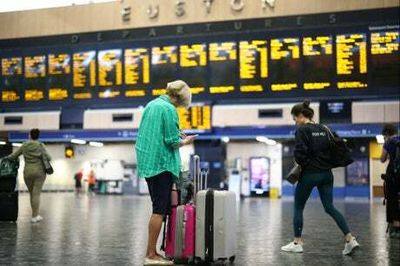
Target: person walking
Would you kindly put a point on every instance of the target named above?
(391, 178)
(158, 158)
(312, 153)
(34, 172)
(91, 182)
(78, 181)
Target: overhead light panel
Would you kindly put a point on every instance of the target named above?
(17, 144)
(225, 139)
(3, 142)
(96, 144)
(261, 138)
(78, 141)
(380, 139)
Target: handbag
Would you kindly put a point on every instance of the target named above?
(9, 168)
(340, 153)
(294, 175)
(46, 164)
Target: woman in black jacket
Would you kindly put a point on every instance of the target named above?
(312, 153)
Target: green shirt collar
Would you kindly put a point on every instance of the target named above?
(165, 98)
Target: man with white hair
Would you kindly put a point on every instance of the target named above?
(159, 162)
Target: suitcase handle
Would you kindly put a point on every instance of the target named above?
(196, 174)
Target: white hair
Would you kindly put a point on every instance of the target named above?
(179, 90)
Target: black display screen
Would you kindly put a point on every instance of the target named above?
(335, 112)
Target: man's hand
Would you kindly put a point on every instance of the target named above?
(188, 140)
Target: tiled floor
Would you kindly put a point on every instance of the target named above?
(111, 230)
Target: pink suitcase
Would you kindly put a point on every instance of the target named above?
(181, 227)
(169, 227)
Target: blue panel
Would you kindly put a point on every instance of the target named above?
(274, 132)
(338, 192)
(359, 192)
(60, 136)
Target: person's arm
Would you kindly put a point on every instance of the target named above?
(17, 153)
(384, 155)
(171, 128)
(45, 152)
(301, 150)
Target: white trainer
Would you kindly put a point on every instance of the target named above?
(36, 219)
(293, 247)
(350, 246)
(149, 262)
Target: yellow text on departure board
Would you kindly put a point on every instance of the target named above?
(34, 95)
(196, 117)
(248, 52)
(284, 87)
(137, 66)
(56, 94)
(348, 48)
(384, 42)
(285, 48)
(320, 45)
(109, 61)
(222, 51)
(84, 69)
(194, 55)
(35, 66)
(9, 96)
(11, 66)
(164, 55)
(59, 64)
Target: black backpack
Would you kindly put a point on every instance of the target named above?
(396, 159)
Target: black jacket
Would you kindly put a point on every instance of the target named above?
(312, 149)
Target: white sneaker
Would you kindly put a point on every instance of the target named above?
(36, 219)
(349, 246)
(293, 247)
(148, 262)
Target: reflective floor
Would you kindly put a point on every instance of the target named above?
(112, 230)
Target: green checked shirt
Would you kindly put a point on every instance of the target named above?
(157, 144)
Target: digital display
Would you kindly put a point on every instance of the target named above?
(11, 70)
(35, 78)
(84, 74)
(223, 67)
(260, 175)
(351, 61)
(335, 112)
(59, 76)
(137, 71)
(357, 173)
(164, 61)
(196, 118)
(253, 65)
(193, 66)
(318, 64)
(285, 64)
(385, 59)
(110, 73)
(312, 63)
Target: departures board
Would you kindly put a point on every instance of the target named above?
(289, 64)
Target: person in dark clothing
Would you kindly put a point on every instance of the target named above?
(392, 179)
(78, 181)
(312, 153)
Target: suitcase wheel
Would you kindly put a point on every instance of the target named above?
(232, 259)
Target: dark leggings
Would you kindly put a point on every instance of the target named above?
(323, 180)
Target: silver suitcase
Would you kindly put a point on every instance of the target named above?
(215, 226)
